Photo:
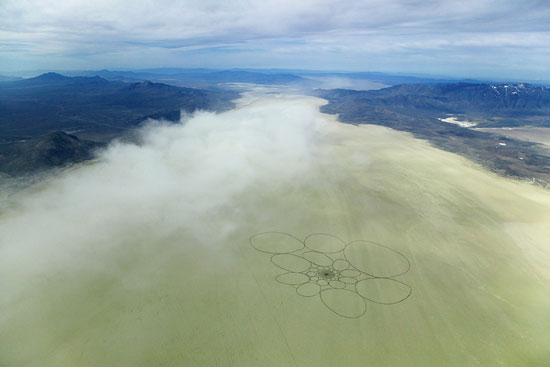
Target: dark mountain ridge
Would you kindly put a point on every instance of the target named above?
(76, 114)
(52, 150)
(93, 106)
(480, 100)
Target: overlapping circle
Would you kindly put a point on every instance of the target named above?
(344, 276)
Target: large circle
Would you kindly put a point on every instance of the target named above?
(276, 242)
(376, 260)
(352, 273)
(344, 302)
(340, 264)
(308, 289)
(290, 262)
(383, 290)
(326, 243)
(292, 278)
(337, 284)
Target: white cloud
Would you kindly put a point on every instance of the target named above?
(76, 33)
(183, 178)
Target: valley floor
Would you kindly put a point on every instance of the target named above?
(149, 261)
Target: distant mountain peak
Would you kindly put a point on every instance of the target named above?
(51, 76)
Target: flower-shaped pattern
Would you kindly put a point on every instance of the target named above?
(344, 276)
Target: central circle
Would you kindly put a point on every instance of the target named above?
(326, 274)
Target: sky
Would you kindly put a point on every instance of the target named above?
(465, 38)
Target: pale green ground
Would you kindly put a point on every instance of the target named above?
(480, 275)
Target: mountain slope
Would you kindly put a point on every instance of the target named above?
(92, 106)
(52, 150)
(53, 120)
(489, 104)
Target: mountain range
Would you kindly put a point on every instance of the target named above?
(75, 115)
(94, 107)
(490, 105)
(53, 120)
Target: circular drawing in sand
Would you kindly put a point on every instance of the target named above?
(344, 276)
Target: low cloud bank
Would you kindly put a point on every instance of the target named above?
(177, 179)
